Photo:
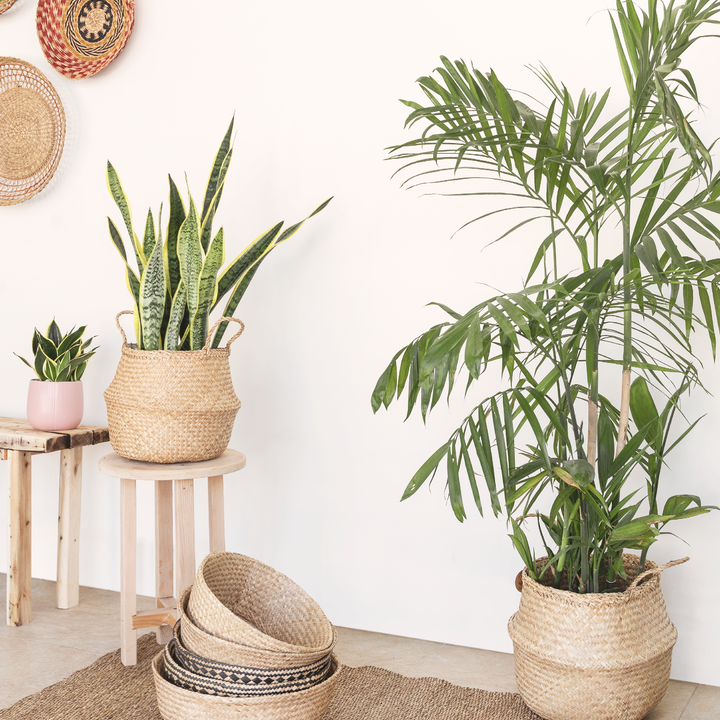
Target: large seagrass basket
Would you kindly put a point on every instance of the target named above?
(599, 656)
(169, 407)
(244, 601)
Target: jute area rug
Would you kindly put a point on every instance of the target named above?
(106, 690)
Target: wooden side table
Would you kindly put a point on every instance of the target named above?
(19, 441)
(166, 476)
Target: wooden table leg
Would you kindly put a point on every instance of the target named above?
(163, 552)
(128, 592)
(19, 591)
(68, 554)
(216, 511)
(184, 534)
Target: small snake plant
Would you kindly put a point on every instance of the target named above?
(177, 285)
(58, 357)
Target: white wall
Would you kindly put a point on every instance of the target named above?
(314, 86)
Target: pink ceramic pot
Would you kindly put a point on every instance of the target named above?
(55, 405)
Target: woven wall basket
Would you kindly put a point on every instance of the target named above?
(6, 5)
(176, 703)
(169, 407)
(598, 656)
(32, 130)
(81, 37)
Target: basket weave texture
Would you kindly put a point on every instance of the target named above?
(242, 600)
(598, 656)
(32, 130)
(81, 37)
(271, 679)
(6, 5)
(214, 648)
(169, 407)
(177, 703)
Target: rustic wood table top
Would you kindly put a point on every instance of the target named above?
(18, 434)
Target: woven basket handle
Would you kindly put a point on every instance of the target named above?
(655, 571)
(209, 335)
(119, 326)
(217, 325)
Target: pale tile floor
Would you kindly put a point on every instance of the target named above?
(58, 642)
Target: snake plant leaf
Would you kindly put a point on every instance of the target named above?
(232, 303)
(152, 299)
(175, 221)
(118, 195)
(217, 175)
(53, 333)
(149, 238)
(177, 312)
(39, 364)
(71, 339)
(250, 255)
(48, 347)
(207, 290)
(24, 360)
(132, 279)
(191, 258)
(244, 279)
(290, 231)
(209, 216)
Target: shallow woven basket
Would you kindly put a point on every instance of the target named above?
(32, 130)
(211, 647)
(169, 407)
(176, 703)
(243, 600)
(81, 37)
(598, 656)
(181, 669)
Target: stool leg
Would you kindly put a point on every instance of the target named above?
(216, 511)
(184, 533)
(68, 554)
(164, 552)
(128, 592)
(19, 588)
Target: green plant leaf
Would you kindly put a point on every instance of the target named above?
(152, 299)
(428, 467)
(207, 289)
(191, 261)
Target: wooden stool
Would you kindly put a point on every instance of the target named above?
(182, 476)
(19, 441)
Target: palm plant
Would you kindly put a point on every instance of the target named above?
(565, 339)
(180, 280)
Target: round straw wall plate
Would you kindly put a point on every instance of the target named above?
(6, 5)
(32, 130)
(81, 37)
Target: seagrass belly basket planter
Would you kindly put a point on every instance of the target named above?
(595, 656)
(169, 407)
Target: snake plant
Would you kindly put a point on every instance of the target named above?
(180, 280)
(58, 357)
(552, 446)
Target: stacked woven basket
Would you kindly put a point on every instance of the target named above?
(249, 644)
